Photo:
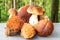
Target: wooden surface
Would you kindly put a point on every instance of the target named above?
(54, 36)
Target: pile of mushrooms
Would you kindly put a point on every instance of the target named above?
(32, 21)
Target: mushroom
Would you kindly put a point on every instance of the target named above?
(23, 14)
(44, 28)
(43, 17)
(28, 31)
(12, 12)
(14, 23)
(35, 11)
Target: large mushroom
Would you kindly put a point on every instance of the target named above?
(22, 12)
(35, 11)
(44, 28)
(14, 23)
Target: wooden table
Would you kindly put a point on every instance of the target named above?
(55, 35)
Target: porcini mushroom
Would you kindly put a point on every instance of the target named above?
(44, 28)
(43, 17)
(35, 11)
(23, 14)
(14, 23)
(12, 12)
(28, 31)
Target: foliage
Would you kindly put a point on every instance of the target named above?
(5, 5)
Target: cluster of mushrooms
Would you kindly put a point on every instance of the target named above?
(28, 21)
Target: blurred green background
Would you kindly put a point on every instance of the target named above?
(5, 5)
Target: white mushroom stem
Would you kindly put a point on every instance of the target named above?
(33, 20)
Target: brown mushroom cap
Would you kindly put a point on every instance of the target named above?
(12, 11)
(14, 25)
(27, 31)
(44, 27)
(22, 12)
(35, 10)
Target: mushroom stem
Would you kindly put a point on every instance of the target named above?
(11, 15)
(33, 20)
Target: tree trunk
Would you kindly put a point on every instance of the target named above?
(31, 2)
(54, 12)
(43, 4)
(12, 4)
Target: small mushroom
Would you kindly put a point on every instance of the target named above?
(43, 17)
(35, 11)
(12, 12)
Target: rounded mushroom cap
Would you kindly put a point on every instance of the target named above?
(27, 31)
(12, 11)
(36, 10)
(22, 12)
(44, 28)
(14, 24)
